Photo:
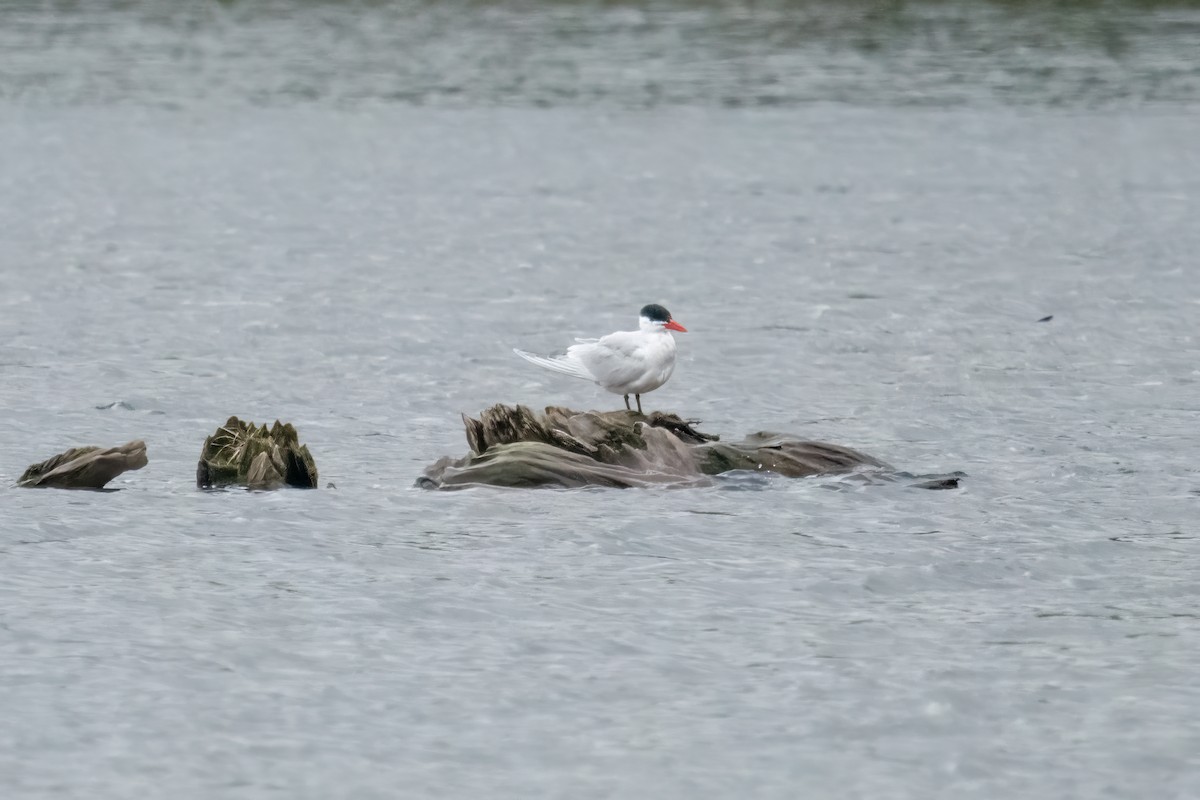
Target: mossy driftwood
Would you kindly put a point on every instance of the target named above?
(85, 467)
(514, 446)
(256, 457)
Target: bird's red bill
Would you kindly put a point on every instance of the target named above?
(672, 325)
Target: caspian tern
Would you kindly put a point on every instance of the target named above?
(625, 362)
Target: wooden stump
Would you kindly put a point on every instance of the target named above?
(256, 457)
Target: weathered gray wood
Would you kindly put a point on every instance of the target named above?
(85, 467)
(514, 446)
(783, 454)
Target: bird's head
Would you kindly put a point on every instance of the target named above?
(656, 318)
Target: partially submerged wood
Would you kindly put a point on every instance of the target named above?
(514, 446)
(256, 457)
(85, 467)
(783, 454)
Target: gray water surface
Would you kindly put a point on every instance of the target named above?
(551, 53)
(868, 273)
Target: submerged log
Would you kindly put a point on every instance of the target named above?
(85, 467)
(783, 454)
(514, 446)
(257, 457)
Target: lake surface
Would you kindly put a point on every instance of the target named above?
(345, 216)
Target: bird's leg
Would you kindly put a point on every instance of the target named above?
(639, 399)
(627, 406)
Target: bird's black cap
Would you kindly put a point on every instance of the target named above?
(656, 313)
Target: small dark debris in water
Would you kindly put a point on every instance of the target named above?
(949, 480)
(1047, 318)
(941, 483)
(121, 404)
(863, 296)
(330, 485)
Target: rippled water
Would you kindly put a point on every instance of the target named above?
(623, 54)
(189, 239)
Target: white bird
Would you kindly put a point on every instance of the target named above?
(625, 362)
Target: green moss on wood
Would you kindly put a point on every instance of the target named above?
(257, 457)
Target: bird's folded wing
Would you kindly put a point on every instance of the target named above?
(614, 360)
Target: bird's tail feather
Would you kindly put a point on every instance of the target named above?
(563, 364)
